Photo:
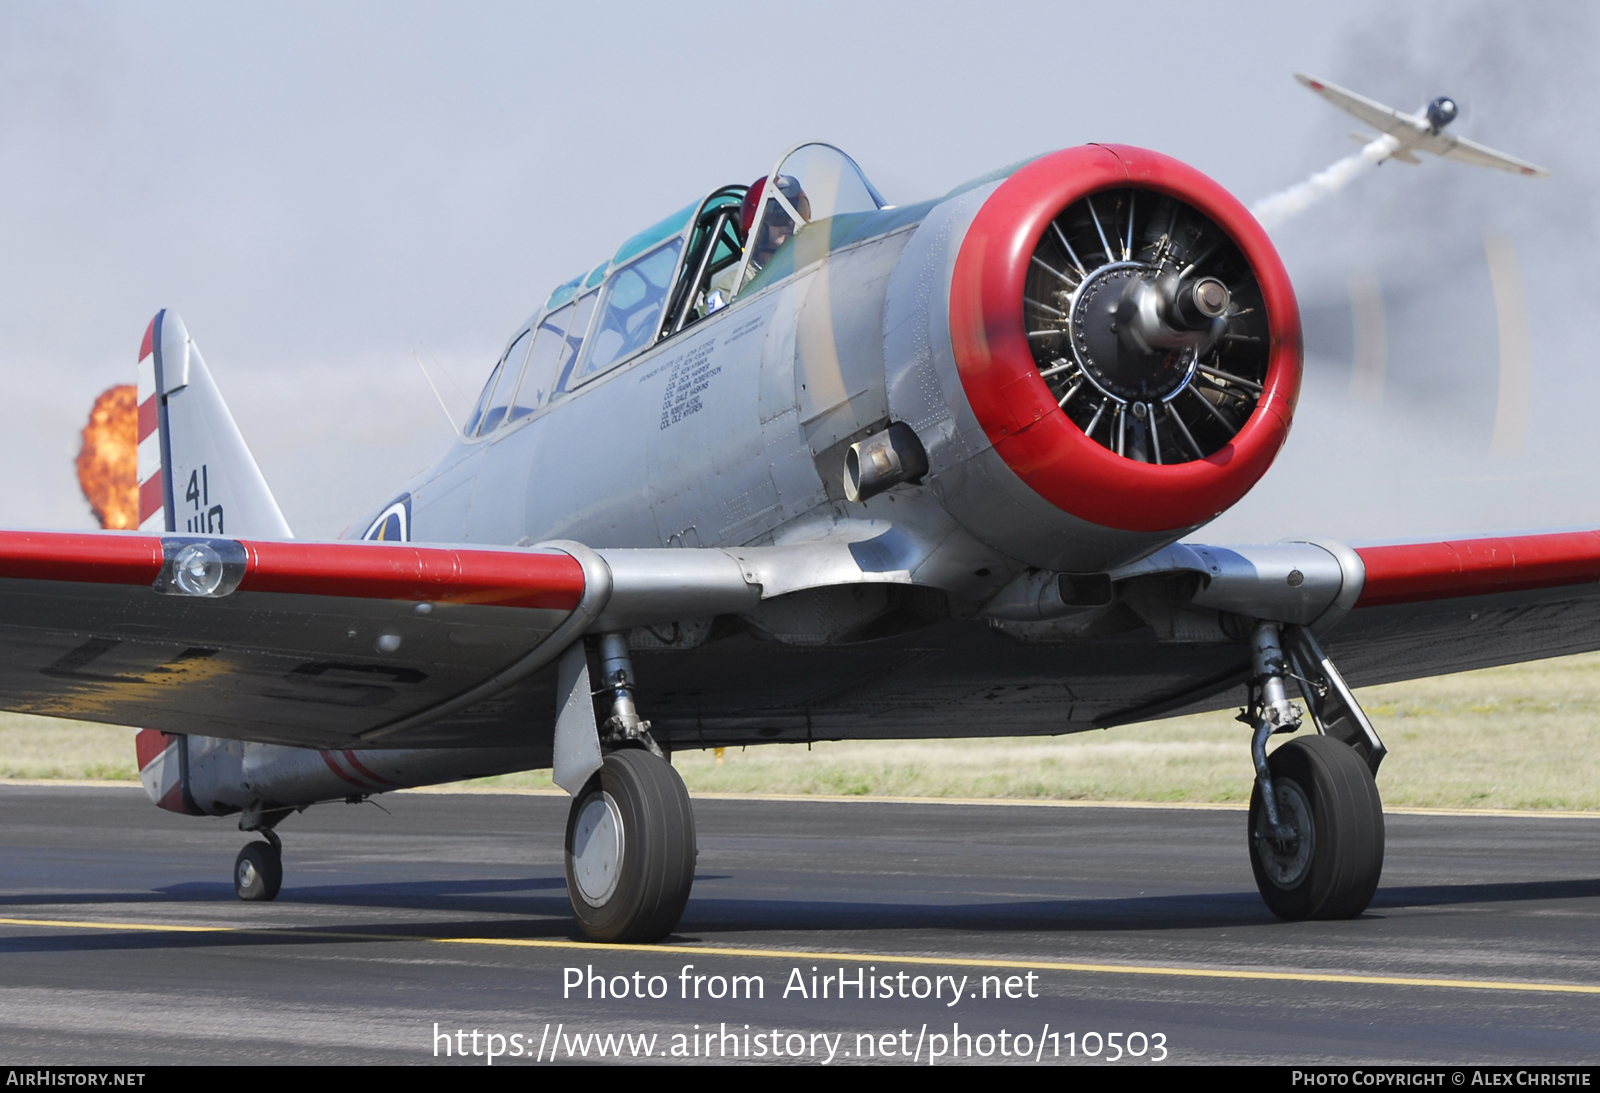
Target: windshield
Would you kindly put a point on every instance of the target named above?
(811, 184)
(828, 180)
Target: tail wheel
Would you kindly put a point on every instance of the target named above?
(1331, 865)
(258, 872)
(630, 850)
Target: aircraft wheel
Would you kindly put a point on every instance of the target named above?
(258, 872)
(1330, 868)
(630, 849)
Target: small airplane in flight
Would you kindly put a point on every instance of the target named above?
(1424, 132)
(790, 464)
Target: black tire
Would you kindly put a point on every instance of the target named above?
(258, 872)
(641, 895)
(1331, 870)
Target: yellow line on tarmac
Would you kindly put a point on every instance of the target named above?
(865, 799)
(861, 958)
(118, 925)
(1513, 813)
(1003, 802)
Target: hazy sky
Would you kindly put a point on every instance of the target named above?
(323, 190)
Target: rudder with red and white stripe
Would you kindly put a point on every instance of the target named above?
(196, 473)
(153, 489)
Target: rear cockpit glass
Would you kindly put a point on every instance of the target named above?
(504, 385)
(483, 400)
(572, 343)
(549, 353)
(567, 291)
(563, 293)
(655, 233)
(630, 316)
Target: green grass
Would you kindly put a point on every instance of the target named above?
(46, 747)
(1525, 736)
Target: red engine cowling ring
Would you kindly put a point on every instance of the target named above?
(1016, 408)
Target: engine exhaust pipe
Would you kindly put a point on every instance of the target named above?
(883, 460)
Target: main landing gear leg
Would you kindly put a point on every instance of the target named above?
(630, 834)
(1316, 823)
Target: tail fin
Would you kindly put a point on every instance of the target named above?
(196, 473)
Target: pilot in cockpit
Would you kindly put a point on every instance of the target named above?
(776, 228)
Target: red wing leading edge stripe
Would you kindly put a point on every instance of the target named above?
(1418, 572)
(358, 570)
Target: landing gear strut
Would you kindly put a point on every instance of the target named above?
(630, 845)
(1316, 823)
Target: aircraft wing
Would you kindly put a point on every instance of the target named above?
(1383, 118)
(1412, 610)
(1466, 151)
(332, 645)
(1396, 612)
(1431, 608)
(307, 644)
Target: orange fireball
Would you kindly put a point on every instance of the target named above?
(108, 462)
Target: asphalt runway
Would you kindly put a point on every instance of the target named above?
(123, 943)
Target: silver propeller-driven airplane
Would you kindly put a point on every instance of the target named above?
(790, 464)
(1412, 133)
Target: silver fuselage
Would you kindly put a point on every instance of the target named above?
(734, 431)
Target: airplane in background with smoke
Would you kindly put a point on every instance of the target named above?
(1401, 136)
(1409, 134)
(791, 464)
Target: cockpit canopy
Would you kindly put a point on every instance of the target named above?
(673, 274)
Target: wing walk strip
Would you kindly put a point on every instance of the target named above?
(854, 958)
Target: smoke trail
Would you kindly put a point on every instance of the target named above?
(1273, 211)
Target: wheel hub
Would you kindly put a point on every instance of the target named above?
(1287, 861)
(597, 849)
(247, 873)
